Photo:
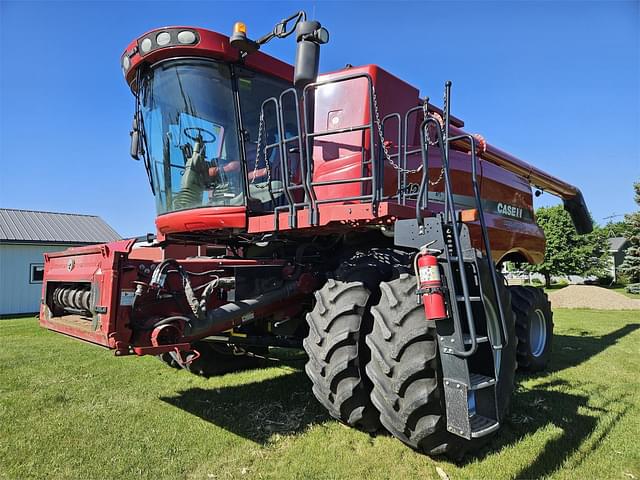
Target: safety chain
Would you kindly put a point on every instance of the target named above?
(267, 165)
(386, 149)
(437, 117)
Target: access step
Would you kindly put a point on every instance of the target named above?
(481, 426)
(478, 381)
(454, 258)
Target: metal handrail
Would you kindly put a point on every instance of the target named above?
(449, 210)
(405, 151)
(397, 155)
(309, 136)
(483, 229)
(267, 146)
(293, 219)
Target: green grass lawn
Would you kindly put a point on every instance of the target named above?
(73, 410)
(624, 292)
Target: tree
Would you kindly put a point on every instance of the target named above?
(631, 265)
(616, 229)
(568, 253)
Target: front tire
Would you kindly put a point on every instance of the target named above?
(334, 349)
(406, 373)
(338, 325)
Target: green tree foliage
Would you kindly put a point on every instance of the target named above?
(568, 253)
(631, 265)
(616, 229)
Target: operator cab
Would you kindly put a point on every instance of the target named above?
(198, 121)
(197, 135)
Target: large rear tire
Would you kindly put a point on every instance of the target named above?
(534, 327)
(406, 373)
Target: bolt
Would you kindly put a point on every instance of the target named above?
(453, 340)
(447, 382)
(457, 385)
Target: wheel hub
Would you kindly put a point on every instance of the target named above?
(538, 333)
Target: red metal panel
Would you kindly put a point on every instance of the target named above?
(98, 265)
(205, 218)
(211, 45)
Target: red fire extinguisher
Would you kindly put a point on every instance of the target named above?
(430, 284)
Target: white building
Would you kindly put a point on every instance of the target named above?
(617, 250)
(24, 237)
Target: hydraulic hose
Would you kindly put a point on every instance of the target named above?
(236, 313)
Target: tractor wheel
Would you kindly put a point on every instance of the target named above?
(169, 360)
(534, 327)
(333, 347)
(338, 325)
(407, 377)
(217, 359)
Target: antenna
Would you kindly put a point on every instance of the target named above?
(613, 215)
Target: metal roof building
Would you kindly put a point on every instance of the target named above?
(25, 235)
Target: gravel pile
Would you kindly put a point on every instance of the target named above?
(590, 296)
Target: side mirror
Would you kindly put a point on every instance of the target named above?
(134, 149)
(309, 35)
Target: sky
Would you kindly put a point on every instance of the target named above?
(554, 83)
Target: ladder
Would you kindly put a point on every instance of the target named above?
(470, 340)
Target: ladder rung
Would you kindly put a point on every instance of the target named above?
(454, 258)
(466, 338)
(481, 426)
(480, 381)
(460, 298)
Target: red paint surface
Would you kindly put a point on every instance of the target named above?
(205, 218)
(211, 45)
(117, 268)
(340, 156)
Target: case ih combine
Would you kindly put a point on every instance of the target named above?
(340, 213)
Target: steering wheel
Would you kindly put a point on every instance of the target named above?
(210, 137)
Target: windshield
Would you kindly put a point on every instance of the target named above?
(191, 135)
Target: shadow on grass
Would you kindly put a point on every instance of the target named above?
(286, 405)
(575, 416)
(256, 411)
(579, 424)
(572, 350)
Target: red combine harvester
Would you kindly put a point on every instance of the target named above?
(340, 213)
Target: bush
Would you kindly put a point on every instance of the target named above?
(623, 280)
(605, 280)
(633, 288)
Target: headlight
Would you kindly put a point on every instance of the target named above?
(167, 38)
(145, 45)
(187, 37)
(163, 39)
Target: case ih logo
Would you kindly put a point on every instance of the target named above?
(509, 210)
